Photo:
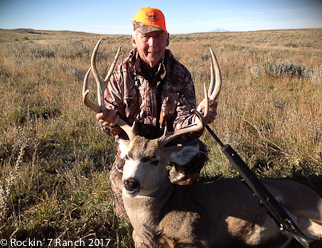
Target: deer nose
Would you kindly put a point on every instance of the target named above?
(130, 184)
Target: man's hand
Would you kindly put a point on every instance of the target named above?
(107, 120)
(212, 109)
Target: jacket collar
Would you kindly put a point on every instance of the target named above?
(158, 73)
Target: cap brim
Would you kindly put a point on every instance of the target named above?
(148, 29)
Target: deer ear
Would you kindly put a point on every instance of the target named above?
(181, 155)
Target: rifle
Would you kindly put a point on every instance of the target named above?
(261, 192)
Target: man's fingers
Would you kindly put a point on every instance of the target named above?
(212, 106)
(107, 118)
(101, 115)
(114, 121)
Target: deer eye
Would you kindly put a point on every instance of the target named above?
(126, 157)
(155, 162)
(145, 159)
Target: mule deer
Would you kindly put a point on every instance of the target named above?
(223, 213)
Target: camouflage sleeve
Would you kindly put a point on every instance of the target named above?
(113, 99)
(113, 94)
(186, 103)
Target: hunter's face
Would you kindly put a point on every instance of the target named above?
(151, 46)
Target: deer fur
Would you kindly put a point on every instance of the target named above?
(223, 213)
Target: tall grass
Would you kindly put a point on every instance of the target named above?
(55, 161)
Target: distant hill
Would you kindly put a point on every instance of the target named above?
(219, 30)
(8, 35)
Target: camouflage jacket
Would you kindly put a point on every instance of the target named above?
(166, 95)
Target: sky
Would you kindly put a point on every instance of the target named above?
(115, 17)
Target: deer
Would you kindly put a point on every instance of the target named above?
(223, 213)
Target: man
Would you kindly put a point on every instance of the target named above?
(151, 87)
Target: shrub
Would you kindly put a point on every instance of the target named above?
(25, 38)
(21, 115)
(283, 68)
(39, 52)
(314, 74)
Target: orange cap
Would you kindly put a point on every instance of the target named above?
(149, 20)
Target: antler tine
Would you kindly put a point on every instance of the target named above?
(204, 119)
(212, 79)
(113, 65)
(100, 87)
(101, 84)
(86, 101)
(215, 89)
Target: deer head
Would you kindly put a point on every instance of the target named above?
(145, 158)
(144, 171)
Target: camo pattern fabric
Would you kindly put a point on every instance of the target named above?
(165, 96)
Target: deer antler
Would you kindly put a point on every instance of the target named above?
(213, 92)
(214, 89)
(101, 85)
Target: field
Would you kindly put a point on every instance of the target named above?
(54, 160)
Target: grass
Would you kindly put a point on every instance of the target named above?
(54, 159)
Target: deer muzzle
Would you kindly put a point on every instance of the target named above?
(132, 186)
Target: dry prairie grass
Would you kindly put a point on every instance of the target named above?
(270, 111)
